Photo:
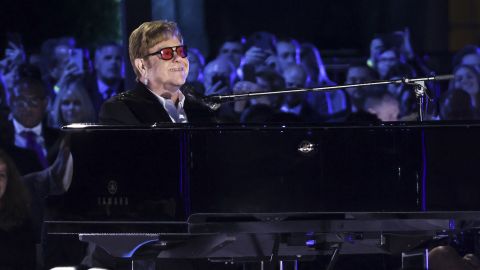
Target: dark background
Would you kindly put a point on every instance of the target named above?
(341, 28)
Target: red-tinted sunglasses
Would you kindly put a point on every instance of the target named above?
(168, 52)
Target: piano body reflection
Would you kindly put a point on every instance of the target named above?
(257, 192)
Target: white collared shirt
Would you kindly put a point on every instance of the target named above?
(177, 113)
(21, 141)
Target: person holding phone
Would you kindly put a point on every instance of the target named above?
(14, 58)
(160, 61)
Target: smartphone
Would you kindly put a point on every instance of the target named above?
(76, 57)
(249, 73)
(220, 78)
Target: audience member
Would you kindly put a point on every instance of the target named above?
(377, 45)
(383, 105)
(72, 105)
(259, 114)
(404, 93)
(197, 64)
(219, 76)
(468, 55)
(14, 57)
(17, 237)
(260, 51)
(268, 79)
(108, 77)
(287, 54)
(29, 103)
(356, 95)
(296, 77)
(457, 105)
(467, 79)
(233, 50)
(386, 59)
(195, 72)
(57, 62)
(311, 59)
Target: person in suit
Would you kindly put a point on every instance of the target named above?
(159, 59)
(26, 129)
(108, 78)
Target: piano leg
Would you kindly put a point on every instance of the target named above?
(417, 259)
(335, 255)
(274, 254)
(143, 264)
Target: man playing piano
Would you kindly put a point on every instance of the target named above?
(159, 59)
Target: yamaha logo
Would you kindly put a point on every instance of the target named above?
(305, 147)
(112, 187)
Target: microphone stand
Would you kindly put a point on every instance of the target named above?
(215, 101)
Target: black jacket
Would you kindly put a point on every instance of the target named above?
(141, 107)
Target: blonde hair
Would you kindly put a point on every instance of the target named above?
(88, 110)
(147, 35)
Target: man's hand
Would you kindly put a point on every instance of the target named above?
(60, 171)
(243, 87)
(15, 54)
(406, 48)
(219, 88)
(14, 57)
(255, 56)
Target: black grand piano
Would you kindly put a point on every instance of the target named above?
(269, 192)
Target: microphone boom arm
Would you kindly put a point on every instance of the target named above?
(214, 101)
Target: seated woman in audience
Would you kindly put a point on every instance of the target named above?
(468, 55)
(467, 79)
(195, 71)
(456, 105)
(72, 105)
(311, 59)
(17, 239)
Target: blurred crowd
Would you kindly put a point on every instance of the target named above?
(63, 84)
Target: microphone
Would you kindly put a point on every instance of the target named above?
(444, 77)
(189, 91)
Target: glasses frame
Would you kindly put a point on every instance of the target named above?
(174, 50)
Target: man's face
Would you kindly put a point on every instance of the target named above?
(108, 63)
(357, 75)
(385, 61)
(295, 78)
(28, 104)
(166, 74)
(286, 54)
(234, 51)
(466, 80)
(62, 55)
(376, 46)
